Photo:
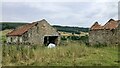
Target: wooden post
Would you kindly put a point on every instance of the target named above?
(47, 40)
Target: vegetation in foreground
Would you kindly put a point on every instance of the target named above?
(70, 53)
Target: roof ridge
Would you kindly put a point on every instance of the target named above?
(96, 23)
(95, 26)
(111, 24)
(111, 20)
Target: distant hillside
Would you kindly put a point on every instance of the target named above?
(77, 30)
(69, 29)
(10, 25)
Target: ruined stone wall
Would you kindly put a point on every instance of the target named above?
(96, 37)
(103, 37)
(118, 35)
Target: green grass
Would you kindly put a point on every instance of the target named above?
(70, 53)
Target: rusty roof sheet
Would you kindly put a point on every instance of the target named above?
(111, 24)
(96, 26)
(21, 30)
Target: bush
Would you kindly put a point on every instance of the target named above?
(3, 39)
(17, 53)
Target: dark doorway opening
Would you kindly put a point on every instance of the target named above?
(50, 39)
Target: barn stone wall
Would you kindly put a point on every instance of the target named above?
(118, 35)
(106, 37)
(14, 39)
(36, 33)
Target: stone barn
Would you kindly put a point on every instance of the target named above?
(107, 34)
(40, 32)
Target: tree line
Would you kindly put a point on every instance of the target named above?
(76, 30)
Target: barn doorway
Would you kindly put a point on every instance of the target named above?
(50, 39)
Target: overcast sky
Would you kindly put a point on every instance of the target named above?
(66, 13)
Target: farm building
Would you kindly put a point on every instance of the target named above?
(40, 32)
(107, 34)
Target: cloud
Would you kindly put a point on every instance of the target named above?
(60, 0)
(82, 14)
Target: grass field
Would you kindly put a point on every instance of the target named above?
(68, 54)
